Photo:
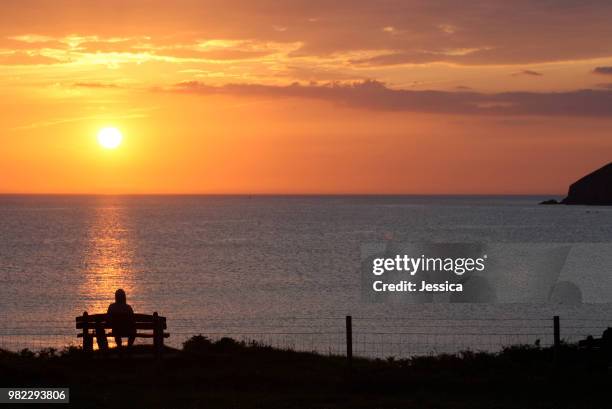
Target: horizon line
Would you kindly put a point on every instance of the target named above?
(264, 194)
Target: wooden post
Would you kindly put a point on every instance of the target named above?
(349, 340)
(158, 334)
(557, 329)
(557, 338)
(87, 338)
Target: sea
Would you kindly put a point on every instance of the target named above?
(278, 270)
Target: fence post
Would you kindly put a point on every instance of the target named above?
(557, 338)
(349, 340)
(557, 329)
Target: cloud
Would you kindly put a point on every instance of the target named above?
(607, 85)
(417, 31)
(318, 74)
(129, 114)
(457, 55)
(603, 70)
(219, 55)
(527, 72)
(23, 58)
(30, 43)
(375, 95)
(96, 85)
(113, 45)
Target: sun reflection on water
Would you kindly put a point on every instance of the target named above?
(108, 256)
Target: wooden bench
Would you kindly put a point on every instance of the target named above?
(590, 343)
(95, 325)
(605, 342)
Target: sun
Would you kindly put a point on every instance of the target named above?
(109, 138)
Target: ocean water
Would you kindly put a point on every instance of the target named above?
(269, 267)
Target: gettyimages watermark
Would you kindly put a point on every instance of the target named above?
(560, 273)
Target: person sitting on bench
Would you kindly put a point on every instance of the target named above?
(120, 315)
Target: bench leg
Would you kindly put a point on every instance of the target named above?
(158, 335)
(101, 338)
(87, 342)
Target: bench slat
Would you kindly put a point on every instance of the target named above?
(106, 325)
(138, 335)
(142, 321)
(137, 317)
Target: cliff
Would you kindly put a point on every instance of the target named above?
(593, 189)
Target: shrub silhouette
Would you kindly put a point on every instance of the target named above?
(197, 345)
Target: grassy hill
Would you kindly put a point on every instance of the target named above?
(227, 374)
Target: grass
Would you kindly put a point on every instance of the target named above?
(229, 374)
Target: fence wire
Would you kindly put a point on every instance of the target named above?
(374, 337)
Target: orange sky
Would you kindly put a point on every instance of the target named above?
(304, 97)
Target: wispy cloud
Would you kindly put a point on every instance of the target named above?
(603, 70)
(413, 31)
(528, 73)
(375, 95)
(26, 58)
(97, 85)
(136, 113)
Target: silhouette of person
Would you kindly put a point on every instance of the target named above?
(120, 315)
(606, 343)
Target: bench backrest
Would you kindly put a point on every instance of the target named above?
(142, 321)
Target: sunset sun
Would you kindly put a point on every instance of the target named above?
(109, 138)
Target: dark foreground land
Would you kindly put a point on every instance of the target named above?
(227, 374)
